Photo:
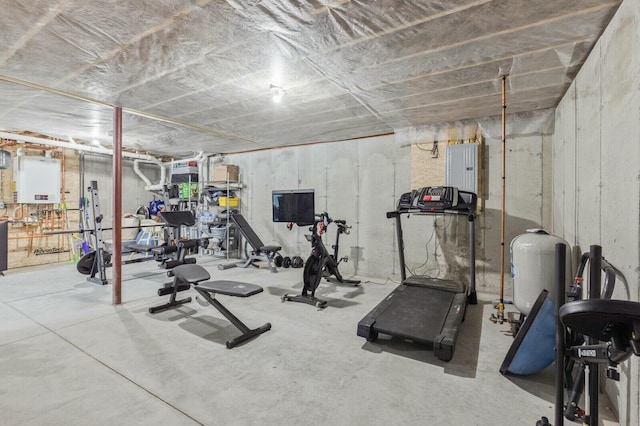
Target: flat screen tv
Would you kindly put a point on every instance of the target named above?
(294, 205)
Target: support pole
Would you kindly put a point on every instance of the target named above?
(473, 296)
(117, 206)
(504, 172)
(560, 277)
(595, 284)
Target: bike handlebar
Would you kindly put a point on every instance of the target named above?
(324, 217)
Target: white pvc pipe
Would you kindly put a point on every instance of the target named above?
(136, 168)
(75, 146)
(148, 185)
(200, 159)
(196, 158)
(97, 150)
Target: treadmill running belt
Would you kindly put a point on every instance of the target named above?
(417, 313)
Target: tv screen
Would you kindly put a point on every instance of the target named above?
(294, 205)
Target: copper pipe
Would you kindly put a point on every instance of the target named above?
(117, 206)
(502, 214)
(24, 237)
(63, 201)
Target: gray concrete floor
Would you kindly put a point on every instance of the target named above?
(69, 357)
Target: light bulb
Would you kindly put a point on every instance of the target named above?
(277, 92)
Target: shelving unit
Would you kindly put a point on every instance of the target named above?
(219, 216)
(212, 219)
(180, 196)
(175, 199)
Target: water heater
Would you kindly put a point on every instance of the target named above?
(36, 179)
(533, 267)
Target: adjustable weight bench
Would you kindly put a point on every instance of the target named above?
(185, 276)
(260, 251)
(175, 221)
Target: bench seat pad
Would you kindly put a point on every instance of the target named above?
(191, 273)
(270, 249)
(230, 288)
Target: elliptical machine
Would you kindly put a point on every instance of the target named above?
(321, 263)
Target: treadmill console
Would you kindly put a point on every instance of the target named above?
(406, 200)
(437, 199)
(432, 198)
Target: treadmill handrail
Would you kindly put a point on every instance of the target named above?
(396, 214)
(464, 212)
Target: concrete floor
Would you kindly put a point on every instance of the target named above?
(68, 357)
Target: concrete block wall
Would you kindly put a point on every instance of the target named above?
(596, 189)
(528, 178)
(358, 182)
(99, 168)
(27, 240)
(361, 180)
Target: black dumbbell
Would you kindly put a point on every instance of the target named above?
(297, 262)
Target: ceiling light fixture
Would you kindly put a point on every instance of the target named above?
(277, 92)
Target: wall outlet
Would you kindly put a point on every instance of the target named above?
(3, 205)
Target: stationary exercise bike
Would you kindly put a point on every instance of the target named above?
(616, 323)
(331, 266)
(321, 263)
(592, 332)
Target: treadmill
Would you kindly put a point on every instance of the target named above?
(423, 309)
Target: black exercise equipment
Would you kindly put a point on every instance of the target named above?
(87, 263)
(331, 272)
(101, 257)
(4, 250)
(185, 276)
(260, 251)
(320, 263)
(172, 254)
(297, 262)
(590, 332)
(424, 309)
(94, 263)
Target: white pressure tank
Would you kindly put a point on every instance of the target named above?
(533, 267)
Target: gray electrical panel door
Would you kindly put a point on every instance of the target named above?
(462, 166)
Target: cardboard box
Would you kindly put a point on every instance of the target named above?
(220, 173)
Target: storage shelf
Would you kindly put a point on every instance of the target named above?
(222, 219)
(223, 184)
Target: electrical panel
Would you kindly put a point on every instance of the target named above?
(461, 168)
(36, 180)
